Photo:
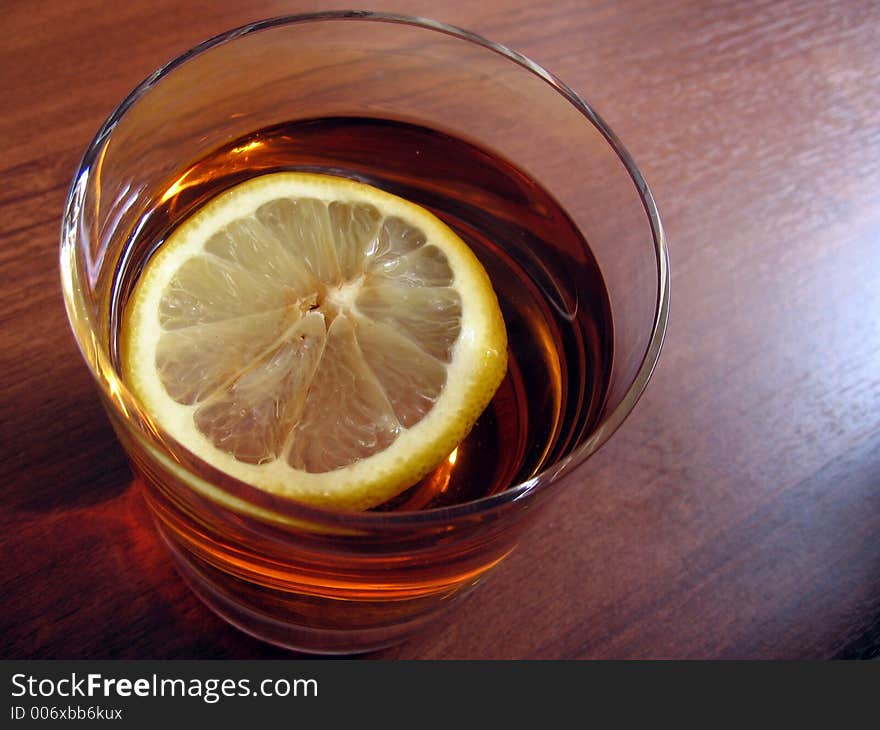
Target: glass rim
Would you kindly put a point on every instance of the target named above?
(299, 511)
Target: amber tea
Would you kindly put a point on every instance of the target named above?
(549, 287)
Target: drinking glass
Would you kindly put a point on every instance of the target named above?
(323, 580)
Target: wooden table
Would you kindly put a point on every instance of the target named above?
(737, 512)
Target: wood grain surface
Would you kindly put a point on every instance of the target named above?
(737, 512)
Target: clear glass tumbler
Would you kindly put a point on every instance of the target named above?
(327, 581)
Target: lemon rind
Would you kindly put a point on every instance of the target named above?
(478, 357)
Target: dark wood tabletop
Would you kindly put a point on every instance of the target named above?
(737, 512)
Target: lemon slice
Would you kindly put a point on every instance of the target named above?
(315, 337)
